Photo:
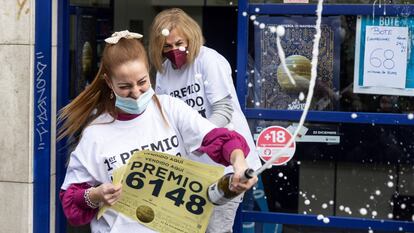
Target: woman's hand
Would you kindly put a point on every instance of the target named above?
(106, 193)
(238, 184)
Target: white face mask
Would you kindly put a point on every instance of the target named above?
(134, 106)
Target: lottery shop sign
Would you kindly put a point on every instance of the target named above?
(167, 193)
(273, 141)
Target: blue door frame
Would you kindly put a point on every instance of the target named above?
(316, 116)
(42, 116)
(62, 95)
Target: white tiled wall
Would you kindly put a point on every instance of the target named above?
(15, 83)
(15, 202)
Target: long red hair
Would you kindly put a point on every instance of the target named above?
(96, 98)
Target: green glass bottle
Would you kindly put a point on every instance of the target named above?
(219, 192)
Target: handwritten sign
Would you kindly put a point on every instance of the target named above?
(385, 56)
(166, 193)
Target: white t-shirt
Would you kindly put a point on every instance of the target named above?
(104, 147)
(203, 83)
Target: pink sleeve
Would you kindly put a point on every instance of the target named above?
(220, 142)
(74, 206)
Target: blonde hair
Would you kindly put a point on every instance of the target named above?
(170, 19)
(96, 98)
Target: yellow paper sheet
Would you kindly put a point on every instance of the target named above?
(165, 192)
(117, 176)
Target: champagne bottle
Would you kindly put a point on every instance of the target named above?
(219, 192)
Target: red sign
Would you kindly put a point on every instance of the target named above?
(272, 141)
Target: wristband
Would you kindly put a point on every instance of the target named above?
(88, 201)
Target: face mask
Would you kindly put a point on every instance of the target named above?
(177, 57)
(134, 106)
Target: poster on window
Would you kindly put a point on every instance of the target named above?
(383, 59)
(273, 89)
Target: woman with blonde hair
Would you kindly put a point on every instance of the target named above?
(201, 77)
(118, 114)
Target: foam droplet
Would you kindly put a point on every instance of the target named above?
(165, 32)
(363, 211)
(319, 217)
(324, 206)
(390, 184)
(262, 25)
(252, 17)
(410, 116)
(326, 220)
(198, 76)
(354, 115)
(378, 192)
(301, 96)
(307, 202)
(244, 13)
(280, 174)
(280, 30)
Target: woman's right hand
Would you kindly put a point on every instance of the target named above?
(106, 193)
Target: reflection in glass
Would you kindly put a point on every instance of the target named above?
(268, 88)
(367, 173)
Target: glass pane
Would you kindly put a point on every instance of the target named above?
(367, 172)
(268, 83)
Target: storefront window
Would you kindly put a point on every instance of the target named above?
(363, 171)
(270, 88)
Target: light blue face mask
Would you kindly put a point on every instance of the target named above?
(134, 106)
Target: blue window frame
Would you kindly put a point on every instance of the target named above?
(313, 116)
(62, 99)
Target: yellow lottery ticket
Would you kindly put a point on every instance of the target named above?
(165, 192)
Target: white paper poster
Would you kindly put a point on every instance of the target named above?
(385, 57)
